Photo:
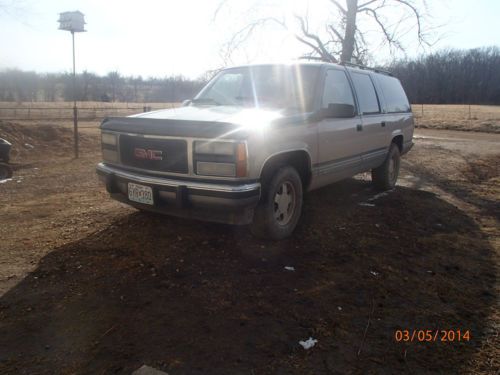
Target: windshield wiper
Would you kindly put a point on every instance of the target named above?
(205, 101)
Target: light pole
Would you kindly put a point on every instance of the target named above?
(74, 22)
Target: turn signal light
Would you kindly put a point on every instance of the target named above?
(241, 160)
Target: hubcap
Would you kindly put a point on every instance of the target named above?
(284, 203)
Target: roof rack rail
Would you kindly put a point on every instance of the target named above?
(315, 58)
(345, 63)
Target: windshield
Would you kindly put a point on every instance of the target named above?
(274, 86)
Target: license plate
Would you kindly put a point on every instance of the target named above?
(140, 193)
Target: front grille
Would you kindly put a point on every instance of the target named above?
(173, 153)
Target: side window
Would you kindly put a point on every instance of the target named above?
(395, 97)
(337, 89)
(367, 96)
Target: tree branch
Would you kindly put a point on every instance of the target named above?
(319, 46)
(340, 7)
(390, 38)
(360, 7)
(341, 38)
(418, 16)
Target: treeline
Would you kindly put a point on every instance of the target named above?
(452, 77)
(21, 86)
(445, 77)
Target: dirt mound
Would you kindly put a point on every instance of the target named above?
(483, 169)
(33, 141)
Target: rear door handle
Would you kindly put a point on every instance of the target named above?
(359, 127)
(382, 124)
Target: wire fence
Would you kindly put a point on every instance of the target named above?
(85, 113)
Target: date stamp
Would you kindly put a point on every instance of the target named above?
(432, 335)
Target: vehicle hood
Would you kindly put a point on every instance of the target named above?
(203, 121)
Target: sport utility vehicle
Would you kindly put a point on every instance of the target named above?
(255, 138)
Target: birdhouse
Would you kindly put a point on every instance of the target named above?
(72, 21)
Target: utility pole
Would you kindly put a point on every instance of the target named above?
(75, 110)
(73, 22)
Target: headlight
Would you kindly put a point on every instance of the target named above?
(206, 168)
(108, 139)
(214, 148)
(224, 159)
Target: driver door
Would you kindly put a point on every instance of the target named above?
(339, 138)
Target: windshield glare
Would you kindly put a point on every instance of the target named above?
(286, 87)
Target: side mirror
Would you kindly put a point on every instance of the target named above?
(338, 111)
(186, 102)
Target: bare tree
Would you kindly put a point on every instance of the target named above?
(114, 80)
(344, 37)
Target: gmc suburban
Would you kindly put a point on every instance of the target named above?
(255, 138)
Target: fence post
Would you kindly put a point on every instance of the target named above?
(422, 109)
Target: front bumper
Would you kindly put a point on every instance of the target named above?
(232, 204)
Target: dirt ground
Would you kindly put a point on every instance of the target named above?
(89, 285)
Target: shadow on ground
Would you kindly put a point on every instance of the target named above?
(198, 298)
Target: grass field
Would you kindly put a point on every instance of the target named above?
(480, 118)
(483, 118)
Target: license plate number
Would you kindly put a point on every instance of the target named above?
(140, 193)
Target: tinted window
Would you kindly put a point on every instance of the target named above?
(367, 96)
(395, 97)
(337, 89)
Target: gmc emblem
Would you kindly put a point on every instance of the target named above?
(141, 153)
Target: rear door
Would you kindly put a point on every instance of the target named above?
(338, 137)
(398, 114)
(373, 141)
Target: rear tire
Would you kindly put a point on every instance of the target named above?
(278, 212)
(386, 176)
(5, 171)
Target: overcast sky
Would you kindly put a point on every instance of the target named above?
(165, 37)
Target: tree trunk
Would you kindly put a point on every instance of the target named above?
(350, 31)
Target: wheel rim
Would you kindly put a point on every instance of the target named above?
(284, 203)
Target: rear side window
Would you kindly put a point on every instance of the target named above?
(337, 89)
(368, 101)
(395, 97)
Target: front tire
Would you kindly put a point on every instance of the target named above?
(278, 212)
(386, 176)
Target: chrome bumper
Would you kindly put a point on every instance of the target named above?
(225, 203)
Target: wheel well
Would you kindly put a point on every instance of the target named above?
(398, 141)
(298, 159)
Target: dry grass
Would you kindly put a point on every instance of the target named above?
(482, 118)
